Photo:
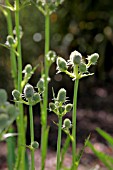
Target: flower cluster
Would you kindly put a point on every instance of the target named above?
(31, 97)
(8, 112)
(80, 68)
(51, 57)
(59, 106)
(51, 5)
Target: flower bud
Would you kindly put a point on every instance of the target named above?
(75, 57)
(36, 97)
(61, 97)
(67, 123)
(11, 110)
(61, 64)
(68, 107)
(35, 144)
(61, 109)
(10, 40)
(3, 96)
(51, 56)
(93, 58)
(3, 121)
(16, 94)
(28, 91)
(40, 85)
(82, 67)
(51, 106)
(28, 68)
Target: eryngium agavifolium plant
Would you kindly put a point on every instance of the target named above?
(79, 69)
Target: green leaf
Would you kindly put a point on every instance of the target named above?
(105, 135)
(82, 150)
(64, 149)
(106, 159)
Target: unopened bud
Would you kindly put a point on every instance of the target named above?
(16, 94)
(28, 68)
(3, 121)
(28, 91)
(11, 110)
(68, 107)
(82, 67)
(3, 96)
(61, 97)
(35, 144)
(61, 109)
(61, 64)
(75, 57)
(51, 56)
(10, 39)
(93, 58)
(40, 85)
(36, 97)
(51, 106)
(67, 123)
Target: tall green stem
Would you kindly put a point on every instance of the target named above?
(32, 136)
(12, 54)
(59, 142)
(44, 137)
(74, 167)
(21, 128)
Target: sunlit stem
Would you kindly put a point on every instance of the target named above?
(44, 133)
(74, 126)
(59, 142)
(12, 54)
(32, 136)
(21, 128)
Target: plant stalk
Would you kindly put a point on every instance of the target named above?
(74, 167)
(12, 54)
(11, 145)
(32, 136)
(21, 128)
(44, 137)
(59, 142)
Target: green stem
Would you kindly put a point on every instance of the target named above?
(21, 128)
(12, 54)
(44, 136)
(11, 145)
(74, 167)
(32, 136)
(59, 142)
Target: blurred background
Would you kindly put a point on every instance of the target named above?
(85, 26)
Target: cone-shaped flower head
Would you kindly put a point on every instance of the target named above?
(35, 144)
(75, 58)
(36, 98)
(68, 107)
(51, 106)
(93, 58)
(61, 97)
(82, 67)
(67, 123)
(3, 96)
(40, 85)
(16, 94)
(28, 91)
(28, 69)
(61, 64)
